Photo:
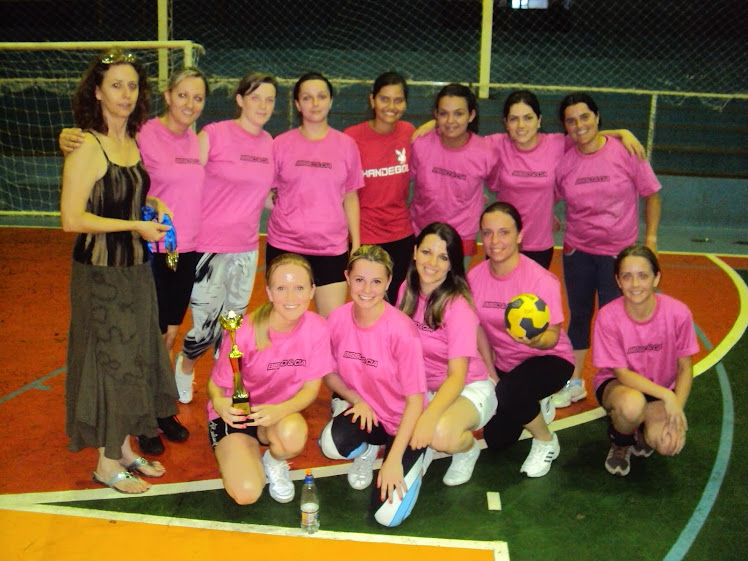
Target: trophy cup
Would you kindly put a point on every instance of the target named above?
(231, 321)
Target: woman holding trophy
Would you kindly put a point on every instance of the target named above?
(276, 359)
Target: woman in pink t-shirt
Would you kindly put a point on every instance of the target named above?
(462, 396)
(450, 166)
(286, 353)
(528, 370)
(238, 177)
(379, 389)
(601, 185)
(317, 176)
(525, 176)
(384, 144)
(644, 344)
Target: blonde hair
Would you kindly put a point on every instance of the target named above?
(261, 316)
(372, 253)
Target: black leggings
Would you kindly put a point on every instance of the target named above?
(519, 393)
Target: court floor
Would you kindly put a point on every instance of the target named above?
(684, 507)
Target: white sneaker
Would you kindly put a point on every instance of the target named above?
(568, 394)
(542, 453)
(184, 381)
(361, 473)
(338, 405)
(279, 479)
(461, 469)
(548, 410)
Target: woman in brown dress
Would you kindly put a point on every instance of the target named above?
(118, 376)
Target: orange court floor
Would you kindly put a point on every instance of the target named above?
(37, 468)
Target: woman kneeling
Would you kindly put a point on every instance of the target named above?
(381, 380)
(286, 354)
(643, 344)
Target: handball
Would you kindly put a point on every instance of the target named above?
(527, 316)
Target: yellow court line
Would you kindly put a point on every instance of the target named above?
(738, 328)
(39, 533)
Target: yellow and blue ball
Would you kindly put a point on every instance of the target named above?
(526, 315)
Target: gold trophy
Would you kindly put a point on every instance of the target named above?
(231, 321)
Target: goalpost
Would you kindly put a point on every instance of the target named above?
(37, 81)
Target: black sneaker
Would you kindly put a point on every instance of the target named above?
(150, 446)
(173, 430)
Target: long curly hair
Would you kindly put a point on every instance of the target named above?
(87, 109)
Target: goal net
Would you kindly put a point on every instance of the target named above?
(37, 81)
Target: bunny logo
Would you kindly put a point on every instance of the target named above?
(400, 155)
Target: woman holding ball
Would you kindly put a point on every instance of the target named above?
(527, 370)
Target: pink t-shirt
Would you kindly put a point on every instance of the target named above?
(312, 177)
(448, 183)
(277, 373)
(457, 337)
(602, 193)
(238, 177)
(526, 179)
(383, 363)
(384, 197)
(650, 348)
(173, 163)
(492, 294)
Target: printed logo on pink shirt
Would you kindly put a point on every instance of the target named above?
(593, 179)
(423, 327)
(186, 160)
(495, 305)
(256, 159)
(644, 348)
(449, 173)
(523, 173)
(313, 164)
(358, 356)
(287, 362)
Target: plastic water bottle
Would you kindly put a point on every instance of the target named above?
(309, 504)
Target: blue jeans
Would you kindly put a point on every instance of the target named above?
(584, 276)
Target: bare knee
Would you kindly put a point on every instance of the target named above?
(628, 408)
(288, 437)
(445, 438)
(245, 493)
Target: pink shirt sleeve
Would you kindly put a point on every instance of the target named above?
(173, 164)
(602, 191)
(448, 183)
(312, 178)
(382, 363)
(650, 348)
(277, 373)
(491, 295)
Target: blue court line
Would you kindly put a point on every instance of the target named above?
(684, 542)
(37, 384)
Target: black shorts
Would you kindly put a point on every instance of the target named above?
(542, 258)
(327, 269)
(401, 252)
(217, 429)
(173, 288)
(601, 391)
